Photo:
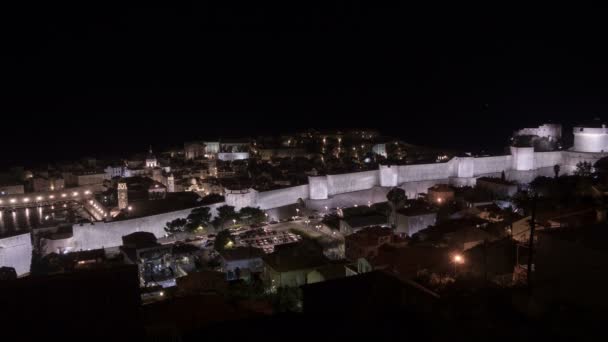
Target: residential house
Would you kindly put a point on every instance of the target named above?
(240, 262)
(410, 220)
(501, 188)
(290, 264)
(353, 224)
(328, 272)
(365, 242)
(440, 194)
(405, 261)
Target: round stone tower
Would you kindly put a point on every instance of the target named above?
(591, 138)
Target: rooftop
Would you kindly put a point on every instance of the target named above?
(365, 221)
(241, 253)
(407, 261)
(439, 230)
(441, 188)
(297, 256)
(416, 210)
(332, 271)
(369, 236)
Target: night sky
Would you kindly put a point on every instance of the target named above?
(111, 80)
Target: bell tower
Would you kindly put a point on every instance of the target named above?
(123, 198)
(171, 183)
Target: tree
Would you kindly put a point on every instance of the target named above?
(583, 169)
(556, 169)
(176, 226)
(198, 218)
(223, 239)
(502, 176)
(396, 197)
(225, 213)
(252, 215)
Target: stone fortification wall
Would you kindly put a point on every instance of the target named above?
(16, 252)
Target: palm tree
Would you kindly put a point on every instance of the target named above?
(556, 169)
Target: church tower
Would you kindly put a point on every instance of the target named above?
(123, 199)
(170, 183)
(151, 161)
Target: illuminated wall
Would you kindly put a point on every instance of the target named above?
(318, 187)
(241, 198)
(523, 158)
(16, 252)
(229, 156)
(349, 182)
(109, 234)
(389, 175)
(415, 173)
(545, 130)
(590, 139)
(281, 197)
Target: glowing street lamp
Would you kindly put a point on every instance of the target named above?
(457, 260)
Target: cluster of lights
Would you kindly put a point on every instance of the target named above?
(97, 207)
(41, 198)
(442, 158)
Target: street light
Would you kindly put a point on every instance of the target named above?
(457, 259)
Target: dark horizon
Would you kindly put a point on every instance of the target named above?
(102, 81)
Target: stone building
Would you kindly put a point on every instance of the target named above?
(151, 161)
(409, 221)
(365, 242)
(440, 194)
(289, 265)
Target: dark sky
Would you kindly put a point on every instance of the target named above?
(107, 79)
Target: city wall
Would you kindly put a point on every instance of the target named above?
(281, 197)
(16, 252)
(349, 182)
(360, 188)
(109, 234)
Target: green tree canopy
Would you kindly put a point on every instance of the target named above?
(199, 217)
(252, 215)
(225, 213)
(396, 196)
(176, 226)
(223, 240)
(583, 169)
